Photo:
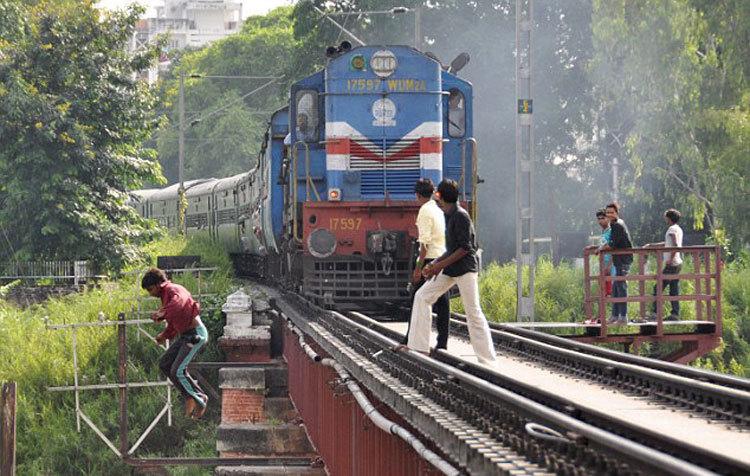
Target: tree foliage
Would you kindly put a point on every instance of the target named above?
(72, 121)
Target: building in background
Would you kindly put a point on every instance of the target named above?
(188, 24)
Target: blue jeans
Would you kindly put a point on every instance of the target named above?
(620, 289)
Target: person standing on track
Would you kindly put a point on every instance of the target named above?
(431, 228)
(181, 312)
(457, 266)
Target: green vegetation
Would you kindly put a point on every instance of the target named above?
(72, 124)
(36, 358)
(559, 298)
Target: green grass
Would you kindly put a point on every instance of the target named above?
(35, 357)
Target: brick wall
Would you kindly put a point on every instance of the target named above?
(242, 406)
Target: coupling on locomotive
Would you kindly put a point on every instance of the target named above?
(330, 207)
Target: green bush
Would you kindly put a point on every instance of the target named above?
(37, 358)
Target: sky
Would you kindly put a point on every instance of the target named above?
(249, 7)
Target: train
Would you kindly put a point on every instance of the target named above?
(329, 208)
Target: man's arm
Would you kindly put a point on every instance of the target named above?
(436, 266)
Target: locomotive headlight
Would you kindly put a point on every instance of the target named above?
(383, 63)
(321, 243)
(334, 195)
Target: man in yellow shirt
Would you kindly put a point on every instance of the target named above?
(431, 228)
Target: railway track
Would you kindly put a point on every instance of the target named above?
(487, 423)
(683, 392)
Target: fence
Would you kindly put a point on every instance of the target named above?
(705, 276)
(75, 271)
(8, 429)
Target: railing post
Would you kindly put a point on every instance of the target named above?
(698, 287)
(8, 429)
(642, 258)
(659, 294)
(587, 284)
(717, 253)
(707, 264)
(602, 297)
(122, 349)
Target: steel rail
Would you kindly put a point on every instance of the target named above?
(495, 410)
(727, 403)
(695, 454)
(703, 375)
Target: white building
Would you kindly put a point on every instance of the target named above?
(189, 23)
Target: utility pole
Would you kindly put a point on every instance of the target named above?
(418, 28)
(524, 162)
(181, 157)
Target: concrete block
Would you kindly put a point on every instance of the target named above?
(263, 439)
(248, 378)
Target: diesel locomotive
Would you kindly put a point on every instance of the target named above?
(329, 208)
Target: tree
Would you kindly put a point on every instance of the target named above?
(72, 121)
(225, 120)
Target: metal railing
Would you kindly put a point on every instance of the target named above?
(705, 277)
(75, 271)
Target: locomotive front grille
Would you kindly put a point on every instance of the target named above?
(343, 279)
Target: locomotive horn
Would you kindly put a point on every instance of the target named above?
(458, 63)
(345, 46)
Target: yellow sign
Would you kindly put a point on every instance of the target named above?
(392, 85)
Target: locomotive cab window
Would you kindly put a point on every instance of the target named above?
(456, 113)
(307, 116)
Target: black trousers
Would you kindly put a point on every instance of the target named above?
(173, 363)
(442, 308)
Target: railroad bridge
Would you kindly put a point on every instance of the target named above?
(313, 391)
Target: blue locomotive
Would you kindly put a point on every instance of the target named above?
(330, 206)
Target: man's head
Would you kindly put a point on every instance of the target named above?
(152, 279)
(302, 122)
(424, 188)
(448, 193)
(672, 216)
(454, 98)
(613, 211)
(601, 218)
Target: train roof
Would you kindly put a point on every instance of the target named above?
(230, 182)
(170, 192)
(203, 188)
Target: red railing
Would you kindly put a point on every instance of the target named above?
(705, 276)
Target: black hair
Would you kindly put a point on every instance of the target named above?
(424, 187)
(673, 215)
(448, 190)
(614, 205)
(154, 276)
(602, 212)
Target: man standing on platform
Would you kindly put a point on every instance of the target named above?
(672, 260)
(619, 240)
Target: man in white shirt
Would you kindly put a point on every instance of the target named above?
(431, 228)
(672, 259)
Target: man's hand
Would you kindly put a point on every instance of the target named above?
(416, 276)
(160, 339)
(430, 270)
(158, 315)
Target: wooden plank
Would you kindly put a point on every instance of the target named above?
(8, 430)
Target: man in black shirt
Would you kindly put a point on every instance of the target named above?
(457, 266)
(619, 239)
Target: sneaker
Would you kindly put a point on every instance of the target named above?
(200, 410)
(618, 321)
